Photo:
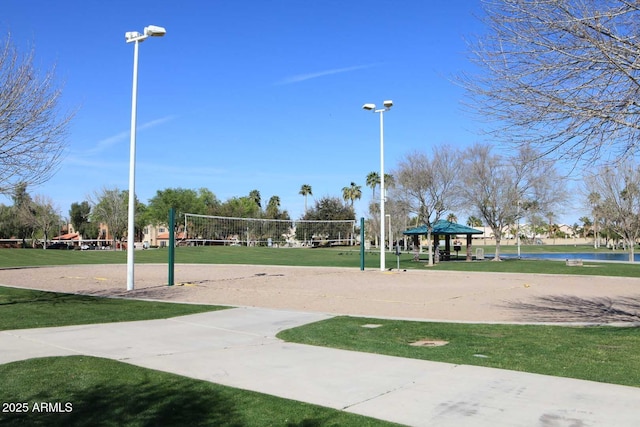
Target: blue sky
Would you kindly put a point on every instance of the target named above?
(246, 94)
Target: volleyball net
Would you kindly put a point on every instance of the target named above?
(219, 230)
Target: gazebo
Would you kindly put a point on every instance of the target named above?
(447, 229)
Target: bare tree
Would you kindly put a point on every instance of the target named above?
(503, 189)
(426, 184)
(32, 128)
(561, 74)
(46, 219)
(41, 215)
(110, 208)
(619, 190)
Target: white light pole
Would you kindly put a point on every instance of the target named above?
(518, 230)
(135, 38)
(372, 107)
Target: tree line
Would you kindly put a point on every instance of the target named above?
(494, 189)
(499, 189)
(37, 218)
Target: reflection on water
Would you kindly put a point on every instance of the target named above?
(600, 256)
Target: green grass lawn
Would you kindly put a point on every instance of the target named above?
(110, 393)
(105, 392)
(605, 354)
(25, 308)
(334, 257)
(544, 267)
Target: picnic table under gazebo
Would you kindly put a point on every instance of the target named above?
(446, 229)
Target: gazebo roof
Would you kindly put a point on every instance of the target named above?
(443, 227)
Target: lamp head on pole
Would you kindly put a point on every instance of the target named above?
(155, 31)
(150, 31)
(372, 107)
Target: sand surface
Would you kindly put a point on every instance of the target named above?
(414, 294)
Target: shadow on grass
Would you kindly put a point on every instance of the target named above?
(39, 297)
(23, 309)
(89, 391)
(563, 308)
(163, 292)
(143, 404)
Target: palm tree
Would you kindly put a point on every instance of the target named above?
(474, 221)
(254, 195)
(552, 227)
(273, 207)
(586, 225)
(305, 191)
(351, 193)
(452, 217)
(373, 180)
(389, 180)
(594, 201)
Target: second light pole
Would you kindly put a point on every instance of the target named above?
(135, 38)
(372, 107)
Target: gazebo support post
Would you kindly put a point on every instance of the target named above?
(447, 247)
(469, 257)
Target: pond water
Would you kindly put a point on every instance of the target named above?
(600, 256)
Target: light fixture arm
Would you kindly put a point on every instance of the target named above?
(134, 36)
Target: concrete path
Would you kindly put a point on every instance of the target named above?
(238, 348)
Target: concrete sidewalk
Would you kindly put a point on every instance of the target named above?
(238, 348)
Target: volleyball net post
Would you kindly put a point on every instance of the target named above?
(361, 244)
(172, 245)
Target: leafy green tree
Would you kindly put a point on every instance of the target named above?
(209, 199)
(111, 209)
(182, 200)
(326, 209)
(79, 215)
(91, 230)
(7, 222)
(239, 207)
(21, 203)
